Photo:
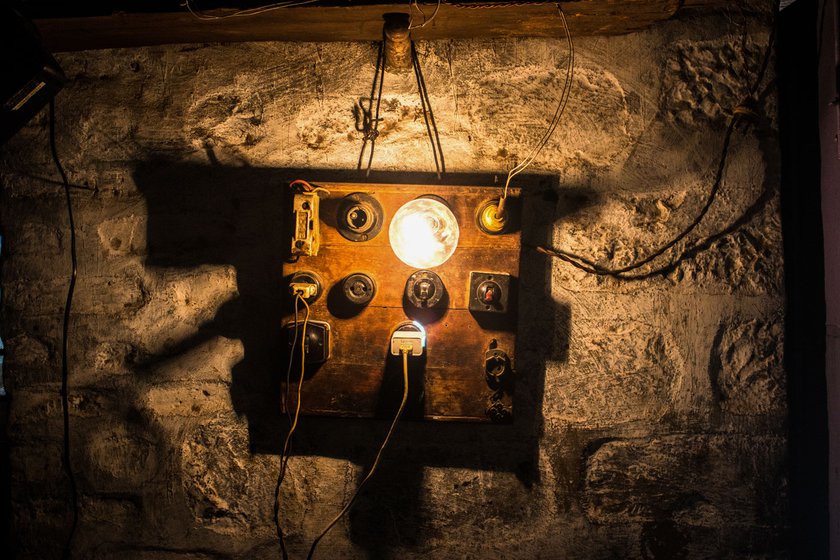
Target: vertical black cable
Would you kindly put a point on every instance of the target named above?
(804, 270)
(64, 336)
(428, 114)
(366, 114)
(375, 121)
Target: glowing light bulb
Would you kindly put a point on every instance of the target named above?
(424, 233)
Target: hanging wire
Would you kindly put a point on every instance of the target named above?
(65, 335)
(747, 108)
(370, 117)
(293, 420)
(404, 352)
(199, 14)
(555, 120)
(428, 114)
(419, 9)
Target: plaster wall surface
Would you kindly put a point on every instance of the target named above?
(653, 410)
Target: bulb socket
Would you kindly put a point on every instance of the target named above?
(489, 219)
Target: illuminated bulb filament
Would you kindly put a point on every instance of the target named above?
(424, 233)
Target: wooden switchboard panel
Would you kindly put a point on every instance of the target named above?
(450, 382)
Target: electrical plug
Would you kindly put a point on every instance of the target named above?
(410, 338)
(304, 289)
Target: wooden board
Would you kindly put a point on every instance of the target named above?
(449, 382)
(359, 22)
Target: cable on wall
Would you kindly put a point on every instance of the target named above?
(65, 408)
(293, 420)
(428, 114)
(404, 352)
(746, 109)
(426, 21)
(369, 125)
(555, 119)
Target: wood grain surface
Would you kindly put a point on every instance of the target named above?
(361, 22)
(449, 382)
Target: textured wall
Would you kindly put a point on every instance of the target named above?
(652, 411)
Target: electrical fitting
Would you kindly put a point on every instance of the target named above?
(303, 289)
(306, 235)
(491, 217)
(408, 337)
(306, 284)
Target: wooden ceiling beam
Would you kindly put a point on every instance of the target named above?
(358, 23)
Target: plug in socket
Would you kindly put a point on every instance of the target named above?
(307, 284)
(408, 333)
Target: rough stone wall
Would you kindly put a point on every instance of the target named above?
(654, 408)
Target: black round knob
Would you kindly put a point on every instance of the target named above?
(424, 288)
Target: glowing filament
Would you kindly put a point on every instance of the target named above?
(424, 233)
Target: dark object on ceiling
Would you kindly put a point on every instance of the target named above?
(29, 76)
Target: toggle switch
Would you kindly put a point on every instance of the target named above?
(424, 289)
(489, 292)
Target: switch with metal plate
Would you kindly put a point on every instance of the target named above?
(316, 343)
(306, 236)
(489, 292)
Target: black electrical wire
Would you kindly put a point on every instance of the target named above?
(371, 119)
(745, 109)
(64, 337)
(428, 114)
(821, 29)
(592, 267)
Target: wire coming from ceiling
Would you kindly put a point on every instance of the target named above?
(426, 21)
(369, 125)
(555, 120)
(428, 114)
(293, 419)
(367, 118)
(204, 16)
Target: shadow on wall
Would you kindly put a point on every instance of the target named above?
(201, 215)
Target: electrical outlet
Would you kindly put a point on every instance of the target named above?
(408, 333)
